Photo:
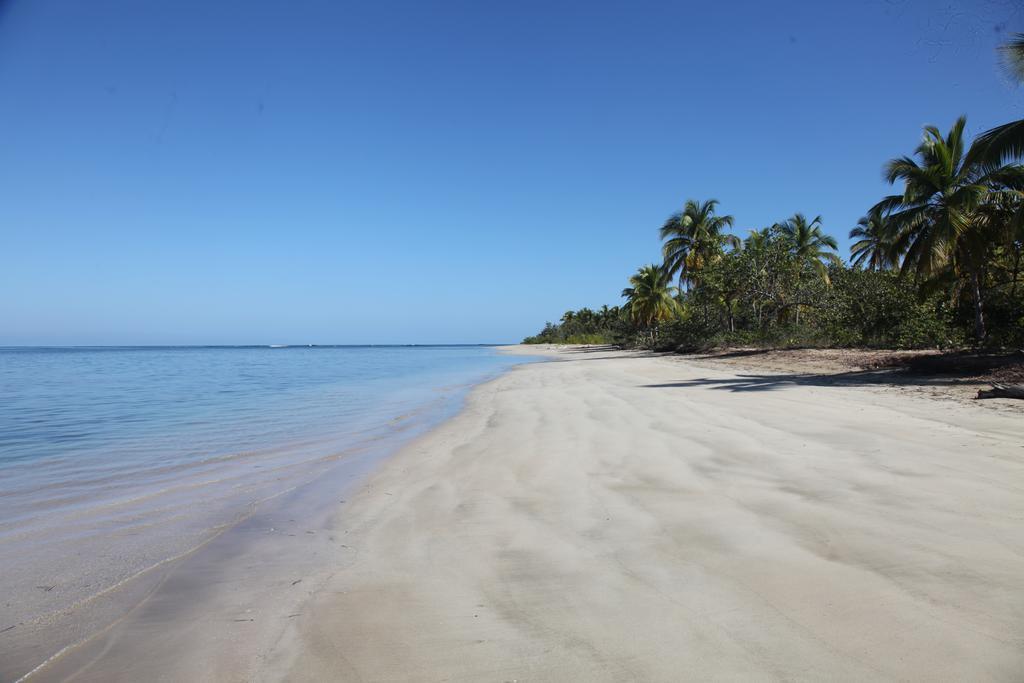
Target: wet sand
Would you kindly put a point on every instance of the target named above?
(612, 516)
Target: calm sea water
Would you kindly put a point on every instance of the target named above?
(113, 460)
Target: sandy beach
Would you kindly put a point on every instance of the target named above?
(613, 516)
(402, 342)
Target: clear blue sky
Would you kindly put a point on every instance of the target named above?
(330, 172)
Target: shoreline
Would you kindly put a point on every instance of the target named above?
(79, 626)
(60, 644)
(614, 515)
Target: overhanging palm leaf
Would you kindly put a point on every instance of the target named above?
(1001, 144)
(1012, 54)
(1006, 142)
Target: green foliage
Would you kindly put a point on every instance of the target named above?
(934, 266)
(954, 212)
(694, 239)
(881, 309)
(809, 244)
(649, 300)
(873, 249)
(606, 325)
(766, 294)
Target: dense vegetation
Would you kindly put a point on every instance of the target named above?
(936, 264)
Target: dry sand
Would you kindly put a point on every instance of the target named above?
(615, 517)
(611, 516)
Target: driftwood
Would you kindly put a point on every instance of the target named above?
(1003, 391)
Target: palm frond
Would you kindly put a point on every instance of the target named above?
(999, 145)
(1012, 54)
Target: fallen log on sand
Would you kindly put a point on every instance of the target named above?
(1003, 391)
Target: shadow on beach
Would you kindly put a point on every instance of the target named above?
(955, 374)
(961, 370)
(606, 352)
(769, 382)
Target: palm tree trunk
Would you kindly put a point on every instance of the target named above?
(979, 313)
(1016, 273)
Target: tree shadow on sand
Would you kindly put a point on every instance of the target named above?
(774, 381)
(598, 352)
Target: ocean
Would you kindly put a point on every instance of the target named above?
(117, 460)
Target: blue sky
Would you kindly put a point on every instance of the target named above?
(415, 172)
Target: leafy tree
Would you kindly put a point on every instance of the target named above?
(882, 309)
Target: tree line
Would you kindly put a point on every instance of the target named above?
(935, 264)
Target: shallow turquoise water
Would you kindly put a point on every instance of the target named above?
(113, 460)
(68, 410)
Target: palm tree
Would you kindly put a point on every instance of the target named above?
(808, 243)
(873, 248)
(757, 239)
(941, 221)
(693, 239)
(650, 299)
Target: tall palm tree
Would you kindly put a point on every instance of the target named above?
(650, 299)
(941, 221)
(808, 243)
(873, 249)
(694, 238)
